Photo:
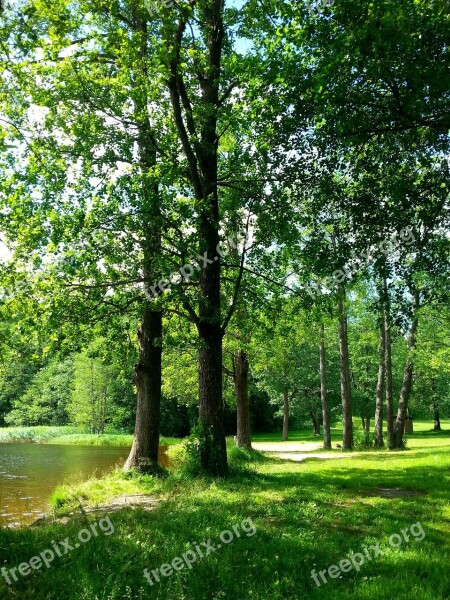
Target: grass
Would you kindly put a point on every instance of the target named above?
(70, 436)
(104, 439)
(336, 433)
(39, 434)
(92, 439)
(307, 515)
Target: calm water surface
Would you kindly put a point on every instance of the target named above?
(29, 473)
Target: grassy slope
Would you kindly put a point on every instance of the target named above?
(308, 515)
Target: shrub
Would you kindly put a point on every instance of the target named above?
(363, 440)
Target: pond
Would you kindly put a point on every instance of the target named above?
(29, 473)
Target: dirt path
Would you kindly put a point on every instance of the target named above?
(132, 501)
(301, 456)
(298, 451)
(286, 446)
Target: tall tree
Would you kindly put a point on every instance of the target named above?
(378, 425)
(399, 429)
(323, 390)
(347, 422)
(91, 88)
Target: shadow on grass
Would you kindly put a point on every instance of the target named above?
(307, 516)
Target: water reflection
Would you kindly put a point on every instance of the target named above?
(29, 473)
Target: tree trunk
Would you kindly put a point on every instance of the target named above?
(323, 391)
(285, 434)
(346, 395)
(243, 437)
(378, 426)
(315, 423)
(388, 367)
(213, 452)
(144, 452)
(367, 423)
(437, 418)
(202, 156)
(407, 375)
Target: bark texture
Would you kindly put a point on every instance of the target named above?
(144, 452)
(213, 453)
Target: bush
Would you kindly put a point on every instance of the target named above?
(187, 455)
(363, 440)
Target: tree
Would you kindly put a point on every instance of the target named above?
(47, 398)
(378, 425)
(92, 90)
(240, 375)
(407, 374)
(323, 391)
(288, 370)
(431, 396)
(386, 81)
(347, 414)
(199, 143)
(91, 400)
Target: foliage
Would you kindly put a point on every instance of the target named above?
(46, 400)
(91, 402)
(362, 439)
(188, 458)
(16, 377)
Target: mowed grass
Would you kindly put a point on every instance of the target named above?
(307, 515)
(306, 435)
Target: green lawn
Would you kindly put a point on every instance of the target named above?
(308, 515)
(306, 435)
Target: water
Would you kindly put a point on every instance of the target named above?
(29, 473)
